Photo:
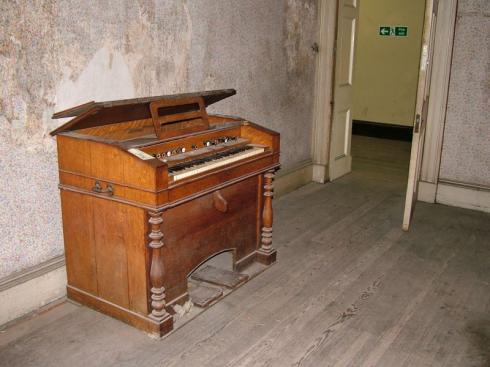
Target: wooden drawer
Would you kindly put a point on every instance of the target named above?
(107, 189)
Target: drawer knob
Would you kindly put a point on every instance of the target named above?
(220, 203)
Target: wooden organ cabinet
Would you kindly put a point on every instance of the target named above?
(150, 189)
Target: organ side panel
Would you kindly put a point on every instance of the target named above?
(105, 249)
(135, 232)
(111, 254)
(74, 155)
(78, 232)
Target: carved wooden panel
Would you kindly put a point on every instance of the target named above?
(203, 230)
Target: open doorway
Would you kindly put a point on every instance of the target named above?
(332, 124)
(386, 68)
(385, 77)
(378, 49)
(338, 130)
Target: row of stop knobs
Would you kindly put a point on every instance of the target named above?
(220, 140)
(206, 143)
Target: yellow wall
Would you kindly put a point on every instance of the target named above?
(386, 68)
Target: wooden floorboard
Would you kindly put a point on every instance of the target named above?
(350, 288)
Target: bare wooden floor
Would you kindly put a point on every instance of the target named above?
(349, 289)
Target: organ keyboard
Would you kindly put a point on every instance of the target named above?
(191, 168)
(153, 187)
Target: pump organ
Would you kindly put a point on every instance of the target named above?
(151, 188)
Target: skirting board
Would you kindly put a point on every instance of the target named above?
(30, 290)
(320, 173)
(468, 197)
(427, 192)
(25, 297)
(292, 178)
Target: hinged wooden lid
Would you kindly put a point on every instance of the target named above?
(93, 114)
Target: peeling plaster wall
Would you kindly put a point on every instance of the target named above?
(57, 54)
(263, 49)
(466, 148)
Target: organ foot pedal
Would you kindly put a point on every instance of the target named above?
(202, 295)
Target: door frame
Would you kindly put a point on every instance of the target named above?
(323, 102)
(323, 94)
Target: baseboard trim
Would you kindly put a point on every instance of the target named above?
(464, 196)
(31, 273)
(427, 192)
(292, 178)
(381, 130)
(28, 292)
(320, 173)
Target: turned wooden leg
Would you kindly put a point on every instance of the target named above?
(157, 271)
(267, 254)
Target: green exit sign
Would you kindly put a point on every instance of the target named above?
(401, 31)
(387, 31)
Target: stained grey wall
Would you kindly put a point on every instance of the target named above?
(466, 148)
(56, 54)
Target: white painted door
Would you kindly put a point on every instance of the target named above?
(421, 109)
(340, 159)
